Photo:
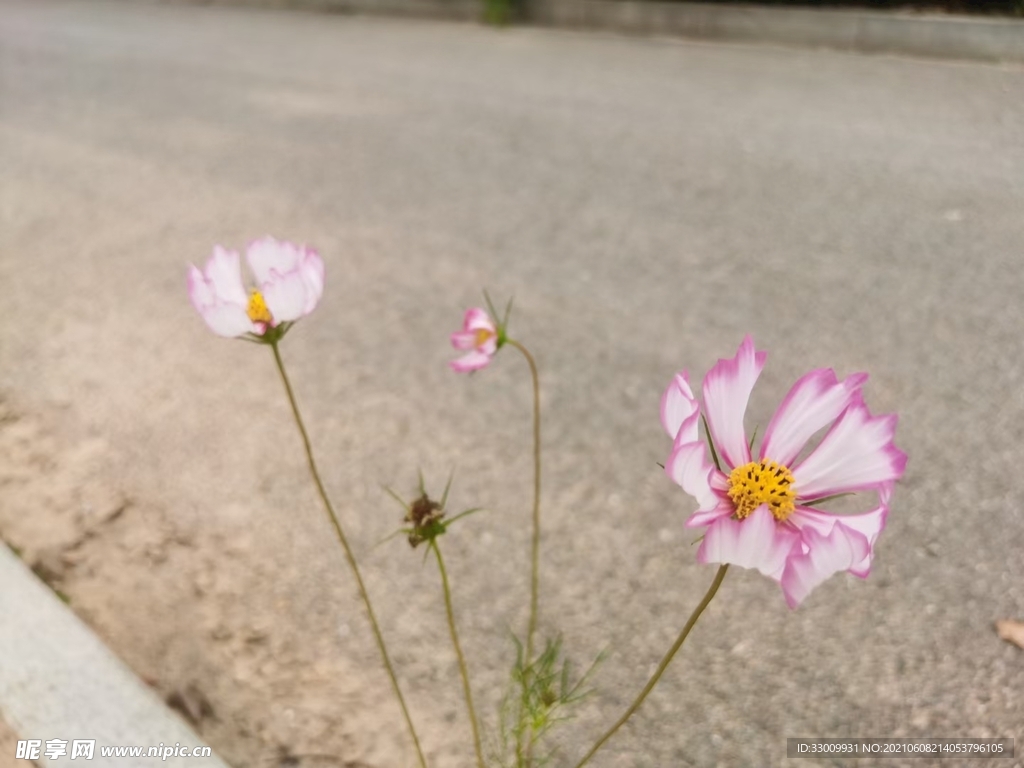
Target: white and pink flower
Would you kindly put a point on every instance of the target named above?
(478, 337)
(759, 513)
(289, 281)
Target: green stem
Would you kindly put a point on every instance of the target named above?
(661, 667)
(535, 549)
(463, 671)
(348, 551)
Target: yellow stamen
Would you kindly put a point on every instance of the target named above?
(763, 482)
(482, 335)
(257, 309)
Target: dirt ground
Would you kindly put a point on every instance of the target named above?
(173, 605)
(9, 748)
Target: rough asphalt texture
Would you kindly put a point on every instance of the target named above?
(648, 203)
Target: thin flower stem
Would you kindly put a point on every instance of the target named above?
(531, 630)
(348, 552)
(661, 667)
(535, 553)
(463, 671)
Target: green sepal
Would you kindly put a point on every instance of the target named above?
(823, 499)
(501, 321)
(430, 531)
(711, 443)
(270, 336)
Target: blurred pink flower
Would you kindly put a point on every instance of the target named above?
(479, 335)
(289, 282)
(758, 512)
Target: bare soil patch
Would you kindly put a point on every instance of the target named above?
(174, 607)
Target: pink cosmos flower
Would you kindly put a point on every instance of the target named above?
(479, 335)
(758, 513)
(289, 283)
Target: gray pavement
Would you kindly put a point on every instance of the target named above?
(648, 203)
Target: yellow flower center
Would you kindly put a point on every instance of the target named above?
(482, 335)
(257, 309)
(759, 483)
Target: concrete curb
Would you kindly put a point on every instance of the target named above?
(918, 35)
(950, 37)
(58, 681)
(449, 10)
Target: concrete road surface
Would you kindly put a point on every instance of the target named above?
(648, 203)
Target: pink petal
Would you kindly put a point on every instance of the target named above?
(868, 524)
(477, 319)
(688, 467)
(473, 361)
(268, 255)
(856, 454)
(286, 295)
(825, 555)
(814, 402)
(727, 388)
(819, 520)
(754, 542)
(723, 508)
(490, 346)
(678, 408)
(464, 339)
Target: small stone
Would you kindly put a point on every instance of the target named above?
(191, 703)
(49, 566)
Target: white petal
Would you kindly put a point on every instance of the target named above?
(227, 320)
(224, 274)
(727, 388)
(313, 275)
(267, 255)
(285, 296)
(815, 401)
(840, 550)
(679, 407)
(754, 542)
(688, 467)
(857, 454)
(199, 291)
